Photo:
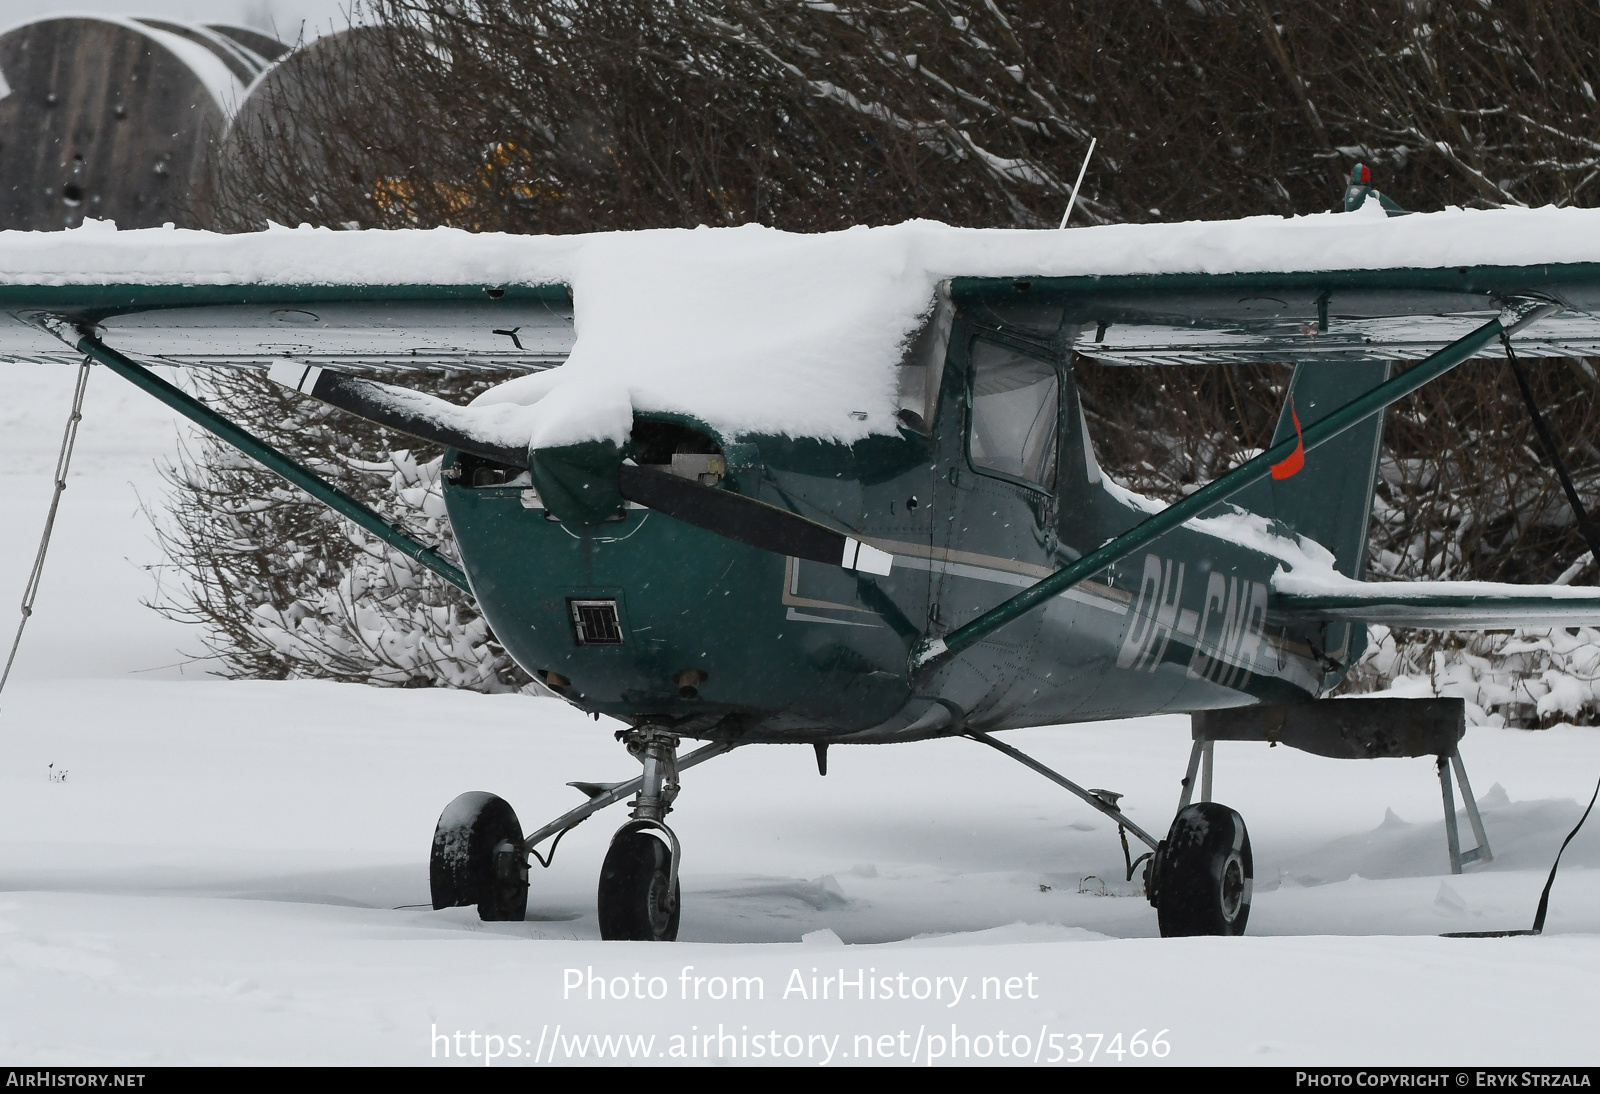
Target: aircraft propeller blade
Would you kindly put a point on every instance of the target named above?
(748, 521)
(401, 409)
(722, 512)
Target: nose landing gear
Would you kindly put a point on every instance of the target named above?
(639, 891)
(480, 856)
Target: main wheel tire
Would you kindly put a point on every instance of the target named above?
(477, 859)
(633, 901)
(1204, 873)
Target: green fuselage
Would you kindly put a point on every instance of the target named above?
(779, 649)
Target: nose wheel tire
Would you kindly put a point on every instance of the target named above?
(639, 900)
(1200, 879)
(478, 859)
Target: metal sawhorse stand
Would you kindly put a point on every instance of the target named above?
(1354, 729)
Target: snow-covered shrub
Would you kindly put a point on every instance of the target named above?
(1527, 678)
(284, 587)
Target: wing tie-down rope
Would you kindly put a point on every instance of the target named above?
(1580, 513)
(69, 440)
(1552, 451)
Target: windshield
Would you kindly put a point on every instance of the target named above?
(922, 368)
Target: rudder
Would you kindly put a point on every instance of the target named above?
(1329, 499)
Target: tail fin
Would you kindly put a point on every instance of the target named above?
(1329, 499)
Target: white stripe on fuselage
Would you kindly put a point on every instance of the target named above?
(1092, 596)
(1001, 571)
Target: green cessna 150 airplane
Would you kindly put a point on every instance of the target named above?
(758, 487)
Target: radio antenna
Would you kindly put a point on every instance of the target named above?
(1073, 200)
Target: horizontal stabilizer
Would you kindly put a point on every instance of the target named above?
(1441, 605)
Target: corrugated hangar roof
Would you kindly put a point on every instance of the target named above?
(114, 118)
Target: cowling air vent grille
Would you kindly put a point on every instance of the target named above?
(595, 622)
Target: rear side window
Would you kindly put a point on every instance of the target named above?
(1015, 404)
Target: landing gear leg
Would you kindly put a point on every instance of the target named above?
(639, 891)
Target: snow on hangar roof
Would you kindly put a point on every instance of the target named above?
(200, 49)
(753, 330)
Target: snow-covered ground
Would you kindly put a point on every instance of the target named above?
(223, 872)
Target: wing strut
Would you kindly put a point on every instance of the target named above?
(1510, 320)
(269, 457)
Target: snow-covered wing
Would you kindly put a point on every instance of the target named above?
(755, 331)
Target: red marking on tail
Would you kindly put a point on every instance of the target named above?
(1296, 459)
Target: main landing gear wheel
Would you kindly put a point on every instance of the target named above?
(639, 894)
(1200, 878)
(478, 859)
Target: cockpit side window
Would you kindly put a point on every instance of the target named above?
(1016, 401)
(922, 368)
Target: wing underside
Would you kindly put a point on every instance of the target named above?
(1351, 315)
(1346, 338)
(369, 329)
